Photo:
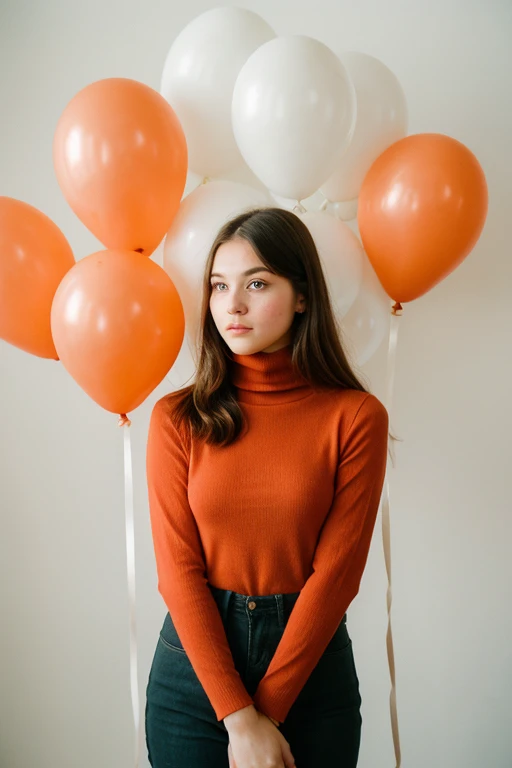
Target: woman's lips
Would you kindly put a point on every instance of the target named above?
(239, 330)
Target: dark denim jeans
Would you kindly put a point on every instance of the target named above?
(323, 726)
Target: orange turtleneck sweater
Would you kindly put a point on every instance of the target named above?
(290, 506)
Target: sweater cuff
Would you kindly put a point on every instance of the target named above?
(267, 704)
(231, 703)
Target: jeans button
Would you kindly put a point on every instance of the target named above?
(251, 605)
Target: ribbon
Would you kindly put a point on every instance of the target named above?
(396, 312)
(124, 421)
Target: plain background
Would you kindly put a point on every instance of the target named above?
(64, 673)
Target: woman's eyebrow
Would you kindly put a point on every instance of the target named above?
(247, 272)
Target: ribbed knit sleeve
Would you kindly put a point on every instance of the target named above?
(180, 563)
(339, 560)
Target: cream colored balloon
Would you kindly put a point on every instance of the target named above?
(346, 211)
(367, 322)
(381, 120)
(341, 254)
(293, 114)
(199, 74)
(190, 237)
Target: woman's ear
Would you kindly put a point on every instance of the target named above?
(301, 304)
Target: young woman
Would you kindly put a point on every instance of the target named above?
(264, 481)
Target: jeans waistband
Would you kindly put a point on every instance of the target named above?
(260, 603)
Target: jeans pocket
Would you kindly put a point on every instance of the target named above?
(169, 635)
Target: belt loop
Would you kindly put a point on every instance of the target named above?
(226, 599)
(280, 611)
(222, 598)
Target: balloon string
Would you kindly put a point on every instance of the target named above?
(396, 312)
(130, 561)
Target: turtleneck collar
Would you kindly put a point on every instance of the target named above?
(268, 378)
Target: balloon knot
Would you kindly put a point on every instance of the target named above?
(123, 419)
(397, 309)
(139, 250)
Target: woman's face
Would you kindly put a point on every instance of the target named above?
(264, 302)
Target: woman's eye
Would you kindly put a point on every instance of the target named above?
(214, 285)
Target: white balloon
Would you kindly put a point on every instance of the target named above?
(193, 181)
(346, 211)
(381, 120)
(198, 78)
(243, 175)
(293, 114)
(190, 237)
(367, 322)
(341, 254)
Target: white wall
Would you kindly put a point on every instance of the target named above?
(65, 692)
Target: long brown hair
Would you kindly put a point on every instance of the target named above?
(285, 246)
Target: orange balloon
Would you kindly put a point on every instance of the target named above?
(34, 257)
(118, 326)
(120, 157)
(422, 207)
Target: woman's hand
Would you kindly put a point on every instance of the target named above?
(259, 744)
